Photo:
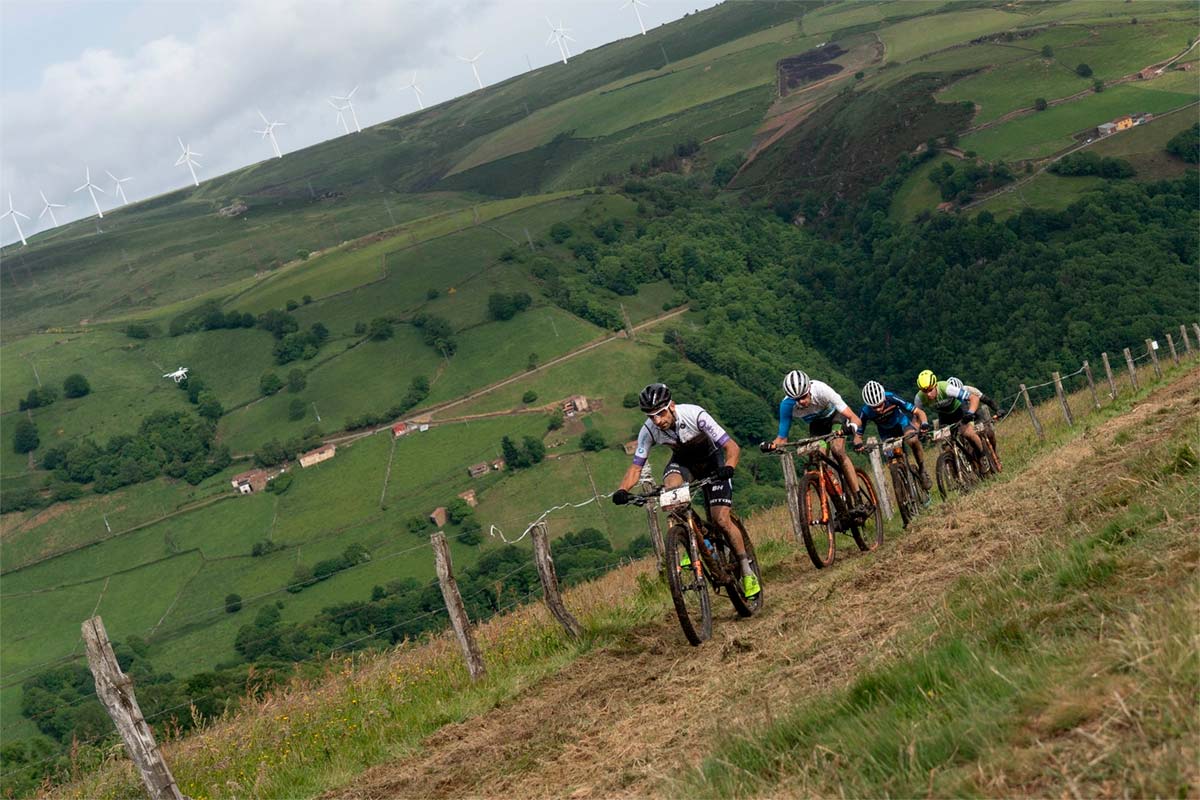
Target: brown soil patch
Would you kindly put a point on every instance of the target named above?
(623, 720)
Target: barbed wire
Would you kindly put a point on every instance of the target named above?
(494, 531)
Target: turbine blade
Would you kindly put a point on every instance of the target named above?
(264, 119)
(81, 188)
(19, 214)
(352, 91)
(114, 177)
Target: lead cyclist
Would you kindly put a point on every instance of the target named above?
(700, 448)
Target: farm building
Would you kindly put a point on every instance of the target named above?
(498, 463)
(1147, 73)
(1123, 123)
(946, 207)
(438, 516)
(631, 447)
(399, 429)
(254, 480)
(469, 498)
(1106, 128)
(475, 470)
(323, 453)
(576, 404)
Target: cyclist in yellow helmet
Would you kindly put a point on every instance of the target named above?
(953, 403)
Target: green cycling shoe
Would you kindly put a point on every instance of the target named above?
(750, 585)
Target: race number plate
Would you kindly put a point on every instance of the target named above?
(673, 498)
(810, 449)
(940, 434)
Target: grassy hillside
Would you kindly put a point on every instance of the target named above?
(1002, 674)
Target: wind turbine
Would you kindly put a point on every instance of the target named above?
(350, 105)
(120, 189)
(12, 212)
(186, 158)
(472, 61)
(49, 209)
(269, 133)
(559, 34)
(416, 90)
(341, 118)
(91, 187)
(635, 4)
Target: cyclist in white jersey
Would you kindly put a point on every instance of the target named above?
(700, 448)
(816, 403)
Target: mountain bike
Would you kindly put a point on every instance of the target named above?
(699, 555)
(822, 496)
(911, 494)
(958, 467)
(986, 426)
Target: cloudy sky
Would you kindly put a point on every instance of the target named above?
(110, 84)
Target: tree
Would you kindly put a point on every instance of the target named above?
(380, 329)
(535, 451)
(529, 397)
(1097, 86)
(233, 603)
(1047, 51)
(513, 457)
(75, 385)
(556, 420)
(432, 294)
(1083, 71)
(560, 232)
(1040, 104)
(297, 409)
(25, 436)
(269, 384)
(630, 400)
(1186, 144)
(532, 362)
(296, 381)
(592, 440)
(210, 407)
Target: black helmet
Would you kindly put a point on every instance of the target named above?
(654, 398)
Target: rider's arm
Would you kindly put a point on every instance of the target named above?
(972, 400)
(867, 414)
(634, 473)
(921, 417)
(732, 452)
(850, 415)
(785, 420)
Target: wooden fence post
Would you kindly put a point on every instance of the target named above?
(1087, 371)
(454, 605)
(885, 499)
(1196, 331)
(1062, 398)
(1171, 347)
(656, 537)
(549, 578)
(1132, 369)
(1112, 384)
(1187, 344)
(1153, 351)
(791, 485)
(1037, 426)
(115, 691)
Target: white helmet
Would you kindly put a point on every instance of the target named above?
(873, 393)
(954, 385)
(796, 384)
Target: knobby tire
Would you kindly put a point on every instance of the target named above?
(745, 607)
(816, 529)
(868, 534)
(689, 592)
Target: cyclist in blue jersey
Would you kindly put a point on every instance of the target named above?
(895, 417)
(817, 404)
(700, 448)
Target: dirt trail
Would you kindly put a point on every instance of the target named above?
(624, 720)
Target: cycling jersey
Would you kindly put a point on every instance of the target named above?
(823, 403)
(946, 402)
(694, 437)
(894, 417)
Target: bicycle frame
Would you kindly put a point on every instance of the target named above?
(677, 503)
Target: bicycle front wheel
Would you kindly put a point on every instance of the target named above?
(868, 531)
(904, 498)
(816, 521)
(744, 606)
(689, 588)
(947, 474)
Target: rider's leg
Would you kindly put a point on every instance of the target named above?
(914, 443)
(838, 446)
(972, 436)
(722, 519)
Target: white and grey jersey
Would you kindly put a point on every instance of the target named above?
(695, 433)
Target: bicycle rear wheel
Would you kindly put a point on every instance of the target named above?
(689, 587)
(745, 606)
(919, 490)
(868, 532)
(816, 523)
(947, 474)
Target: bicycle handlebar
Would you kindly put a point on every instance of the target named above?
(771, 447)
(656, 490)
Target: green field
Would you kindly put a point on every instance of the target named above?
(1112, 51)
(1047, 191)
(1044, 133)
(914, 38)
(1145, 146)
(918, 193)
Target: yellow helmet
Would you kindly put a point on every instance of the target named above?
(926, 379)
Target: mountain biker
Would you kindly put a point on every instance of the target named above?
(700, 448)
(816, 403)
(894, 417)
(984, 400)
(954, 403)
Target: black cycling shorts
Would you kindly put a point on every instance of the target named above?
(717, 493)
(823, 426)
(950, 417)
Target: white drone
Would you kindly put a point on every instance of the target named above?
(178, 375)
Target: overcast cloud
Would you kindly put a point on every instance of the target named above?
(110, 85)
